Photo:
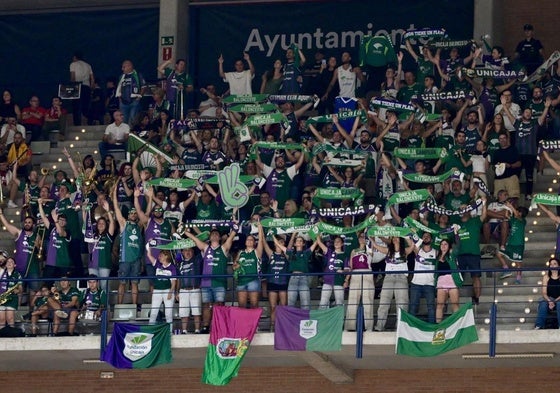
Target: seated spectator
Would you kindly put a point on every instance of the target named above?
(66, 308)
(116, 135)
(41, 309)
(8, 108)
(55, 119)
(93, 299)
(9, 129)
(33, 118)
(551, 294)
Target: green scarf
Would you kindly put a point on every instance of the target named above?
(254, 108)
(282, 222)
(245, 99)
(418, 178)
(268, 118)
(408, 196)
(336, 193)
(428, 153)
(388, 231)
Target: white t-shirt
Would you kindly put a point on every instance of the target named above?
(239, 82)
(10, 138)
(117, 132)
(515, 111)
(82, 71)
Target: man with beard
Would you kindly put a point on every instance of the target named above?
(26, 243)
(157, 230)
(214, 158)
(473, 129)
(279, 179)
(422, 284)
(131, 248)
(293, 78)
(346, 76)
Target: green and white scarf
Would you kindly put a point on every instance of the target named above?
(343, 115)
(172, 183)
(253, 108)
(545, 199)
(388, 231)
(408, 197)
(282, 222)
(263, 119)
(336, 193)
(245, 99)
(430, 179)
(428, 153)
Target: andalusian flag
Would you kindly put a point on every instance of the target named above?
(305, 330)
(138, 346)
(232, 331)
(418, 338)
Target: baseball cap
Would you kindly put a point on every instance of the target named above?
(528, 26)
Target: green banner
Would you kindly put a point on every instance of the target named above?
(341, 116)
(323, 227)
(546, 199)
(184, 243)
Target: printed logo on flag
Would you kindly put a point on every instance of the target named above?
(137, 345)
(308, 328)
(232, 348)
(439, 337)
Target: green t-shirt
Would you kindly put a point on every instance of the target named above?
(299, 260)
(72, 220)
(469, 234)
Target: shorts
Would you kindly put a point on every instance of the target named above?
(34, 285)
(150, 272)
(253, 286)
(468, 262)
(446, 282)
(7, 308)
(213, 295)
(129, 269)
(271, 287)
(510, 184)
(513, 253)
(190, 302)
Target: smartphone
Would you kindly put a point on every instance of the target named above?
(324, 62)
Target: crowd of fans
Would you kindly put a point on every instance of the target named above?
(324, 150)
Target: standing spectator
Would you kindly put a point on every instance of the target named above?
(55, 119)
(207, 108)
(509, 110)
(111, 99)
(214, 266)
(58, 261)
(188, 288)
(33, 118)
(131, 248)
(299, 258)
(100, 258)
(506, 162)
(247, 268)
(130, 89)
(530, 51)
(334, 264)
(347, 77)
(395, 283)
(422, 284)
(97, 107)
(469, 249)
(277, 276)
(362, 287)
(272, 79)
(81, 72)
(239, 80)
(164, 285)
(551, 294)
(448, 278)
(293, 79)
(116, 135)
(178, 84)
(527, 129)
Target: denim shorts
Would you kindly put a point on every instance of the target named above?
(253, 286)
(213, 295)
(130, 269)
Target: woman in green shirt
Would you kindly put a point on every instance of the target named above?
(247, 267)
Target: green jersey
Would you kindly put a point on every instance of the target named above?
(132, 242)
(517, 231)
(65, 207)
(250, 267)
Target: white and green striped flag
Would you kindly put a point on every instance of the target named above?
(419, 338)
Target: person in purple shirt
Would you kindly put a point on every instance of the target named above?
(334, 261)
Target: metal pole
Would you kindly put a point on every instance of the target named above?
(360, 322)
(104, 323)
(492, 341)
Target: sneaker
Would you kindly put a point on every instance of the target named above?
(502, 248)
(517, 282)
(205, 330)
(61, 314)
(537, 328)
(505, 275)
(12, 204)
(183, 332)
(197, 331)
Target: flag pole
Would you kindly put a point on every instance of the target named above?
(360, 323)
